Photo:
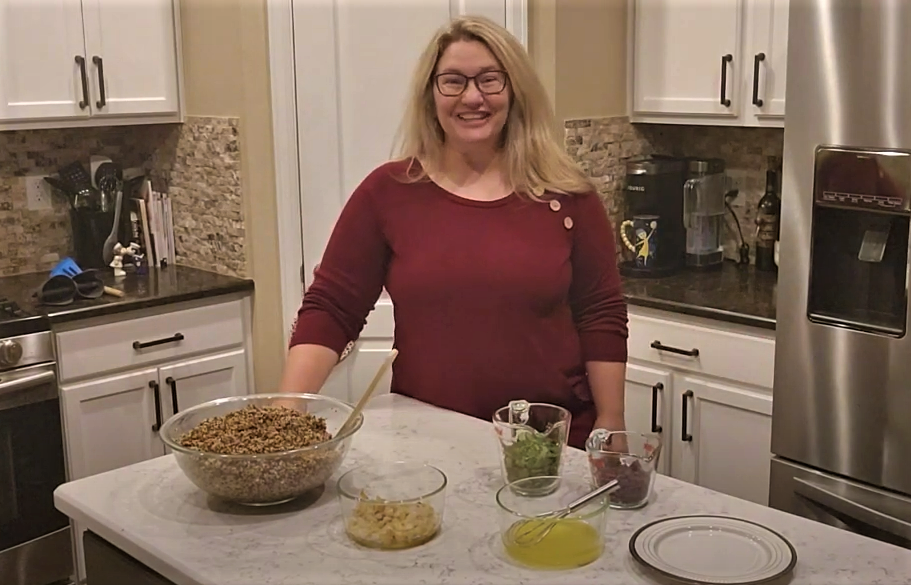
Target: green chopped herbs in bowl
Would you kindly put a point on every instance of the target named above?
(532, 454)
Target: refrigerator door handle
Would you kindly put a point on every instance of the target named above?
(859, 512)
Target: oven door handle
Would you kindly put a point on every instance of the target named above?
(859, 512)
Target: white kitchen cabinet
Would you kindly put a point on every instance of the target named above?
(120, 375)
(710, 63)
(40, 43)
(722, 436)
(709, 386)
(98, 62)
(647, 409)
(112, 422)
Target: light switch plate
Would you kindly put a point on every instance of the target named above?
(38, 192)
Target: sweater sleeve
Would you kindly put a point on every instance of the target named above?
(596, 298)
(350, 276)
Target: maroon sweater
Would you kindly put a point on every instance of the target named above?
(493, 300)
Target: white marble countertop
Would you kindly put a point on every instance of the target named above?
(153, 513)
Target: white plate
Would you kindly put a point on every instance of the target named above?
(716, 550)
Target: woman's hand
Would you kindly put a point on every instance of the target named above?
(613, 422)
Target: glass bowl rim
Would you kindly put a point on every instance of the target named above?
(441, 475)
(602, 509)
(599, 450)
(506, 423)
(330, 444)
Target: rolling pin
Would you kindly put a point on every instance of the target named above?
(114, 292)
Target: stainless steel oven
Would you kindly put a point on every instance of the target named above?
(35, 539)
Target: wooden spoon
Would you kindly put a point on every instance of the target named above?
(363, 401)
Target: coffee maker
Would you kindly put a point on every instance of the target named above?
(859, 241)
(652, 234)
(703, 212)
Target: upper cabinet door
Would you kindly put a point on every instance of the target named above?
(40, 76)
(767, 52)
(686, 58)
(495, 10)
(131, 49)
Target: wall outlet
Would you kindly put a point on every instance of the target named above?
(38, 192)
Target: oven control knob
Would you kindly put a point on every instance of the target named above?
(10, 353)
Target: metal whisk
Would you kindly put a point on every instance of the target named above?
(533, 530)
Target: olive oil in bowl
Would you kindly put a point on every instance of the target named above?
(571, 543)
(532, 536)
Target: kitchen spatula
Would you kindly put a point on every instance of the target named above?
(363, 401)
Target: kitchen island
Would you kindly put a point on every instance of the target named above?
(152, 513)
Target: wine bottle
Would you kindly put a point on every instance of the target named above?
(767, 222)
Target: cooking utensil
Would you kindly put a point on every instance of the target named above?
(534, 530)
(66, 267)
(363, 401)
(107, 250)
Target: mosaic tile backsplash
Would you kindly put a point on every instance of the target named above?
(199, 167)
(601, 144)
(197, 163)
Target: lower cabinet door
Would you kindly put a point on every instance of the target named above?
(107, 565)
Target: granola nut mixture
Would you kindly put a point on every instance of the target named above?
(259, 430)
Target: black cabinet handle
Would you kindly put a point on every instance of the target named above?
(685, 436)
(656, 428)
(687, 352)
(85, 82)
(138, 345)
(173, 384)
(154, 386)
(724, 79)
(99, 63)
(757, 59)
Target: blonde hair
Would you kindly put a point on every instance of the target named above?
(533, 159)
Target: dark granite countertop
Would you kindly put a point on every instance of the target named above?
(161, 286)
(736, 294)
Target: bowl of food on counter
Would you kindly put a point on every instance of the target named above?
(541, 533)
(629, 457)
(394, 505)
(261, 449)
(532, 438)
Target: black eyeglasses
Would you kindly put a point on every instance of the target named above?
(455, 84)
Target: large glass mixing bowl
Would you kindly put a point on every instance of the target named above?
(262, 479)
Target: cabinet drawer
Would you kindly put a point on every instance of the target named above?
(98, 349)
(732, 355)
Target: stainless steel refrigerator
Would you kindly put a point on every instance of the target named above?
(841, 427)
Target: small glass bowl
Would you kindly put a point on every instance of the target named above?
(575, 541)
(392, 506)
(630, 458)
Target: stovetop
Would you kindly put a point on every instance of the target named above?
(17, 320)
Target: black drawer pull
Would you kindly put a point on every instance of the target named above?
(99, 63)
(656, 428)
(687, 352)
(724, 79)
(154, 386)
(85, 82)
(686, 437)
(757, 59)
(173, 384)
(138, 345)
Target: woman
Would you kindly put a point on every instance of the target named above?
(494, 247)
